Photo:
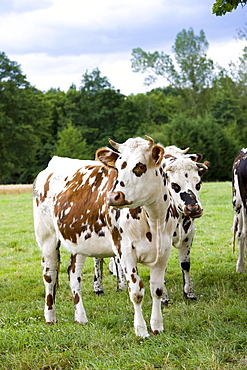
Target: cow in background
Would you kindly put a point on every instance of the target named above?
(239, 201)
(184, 175)
(184, 183)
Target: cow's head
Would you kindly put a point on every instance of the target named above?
(138, 179)
(184, 181)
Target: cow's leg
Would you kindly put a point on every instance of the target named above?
(157, 285)
(165, 299)
(240, 261)
(241, 236)
(136, 293)
(98, 274)
(112, 266)
(116, 269)
(75, 275)
(158, 290)
(50, 248)
(184, 258)
(120, 274)
(50, 263)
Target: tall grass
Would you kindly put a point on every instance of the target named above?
(16, 189)
(210, 333)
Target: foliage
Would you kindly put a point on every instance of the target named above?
(23, 121)
(213, 142)
(193, 72)
(209, 333)
(221, 7)
(11, 71)
(93, 82)
(71, 143)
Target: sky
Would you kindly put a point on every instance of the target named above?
(57, 41)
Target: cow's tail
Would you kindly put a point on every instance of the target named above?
(234, 229)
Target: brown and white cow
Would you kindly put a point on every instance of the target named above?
(183, 175)
(72, 206)
(239, 201)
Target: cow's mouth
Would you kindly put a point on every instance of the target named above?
(117, 199)
(193, 211)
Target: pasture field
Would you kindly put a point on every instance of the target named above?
(207, 334)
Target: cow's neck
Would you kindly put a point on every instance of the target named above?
(158, 206)
(157, 212)
(156, 220)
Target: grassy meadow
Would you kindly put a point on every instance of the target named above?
(210, 333)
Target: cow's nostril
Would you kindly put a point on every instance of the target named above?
(117, 199)
(193, 211)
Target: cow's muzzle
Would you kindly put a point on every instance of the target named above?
(193, 211)
(117, 199)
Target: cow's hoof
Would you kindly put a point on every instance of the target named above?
(165, 302)
(190, 296)
(99, 292)
(155, 332)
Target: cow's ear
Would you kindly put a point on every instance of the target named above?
(196, 157)
(106, 156)
(203, 167)
(158, 154)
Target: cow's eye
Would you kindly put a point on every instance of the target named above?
(176, 187)
(198, 186)
(139, 169)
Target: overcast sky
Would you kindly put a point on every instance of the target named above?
(57, 41)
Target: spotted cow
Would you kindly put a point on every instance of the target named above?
(239, 201)
(183, 173)
(74, 205)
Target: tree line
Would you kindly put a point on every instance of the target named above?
(202, 106)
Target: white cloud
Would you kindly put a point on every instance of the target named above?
(225, 52)
(51, 72)
(22, 6)
(108, 14)
(56, 41)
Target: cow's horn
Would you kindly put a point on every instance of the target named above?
(186, 150)
(114, 144)
(202, 165)
(151, 141)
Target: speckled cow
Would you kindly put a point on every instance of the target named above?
(183, 175)
(74, 205)
(184, 181)
(239, 201)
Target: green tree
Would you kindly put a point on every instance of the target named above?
(93, 82)
(24, 120)
(153, 109)
(225, 103)
(71, 143)
(221, 7)
(96, 109)
(203, 135)
(230, 99)
(11, 71)
(192, 73)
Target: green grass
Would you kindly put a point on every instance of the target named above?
(210, 333)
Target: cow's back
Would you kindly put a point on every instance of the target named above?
(240, 177)
(70, 201)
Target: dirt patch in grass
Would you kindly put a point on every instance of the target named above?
(16, 189)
